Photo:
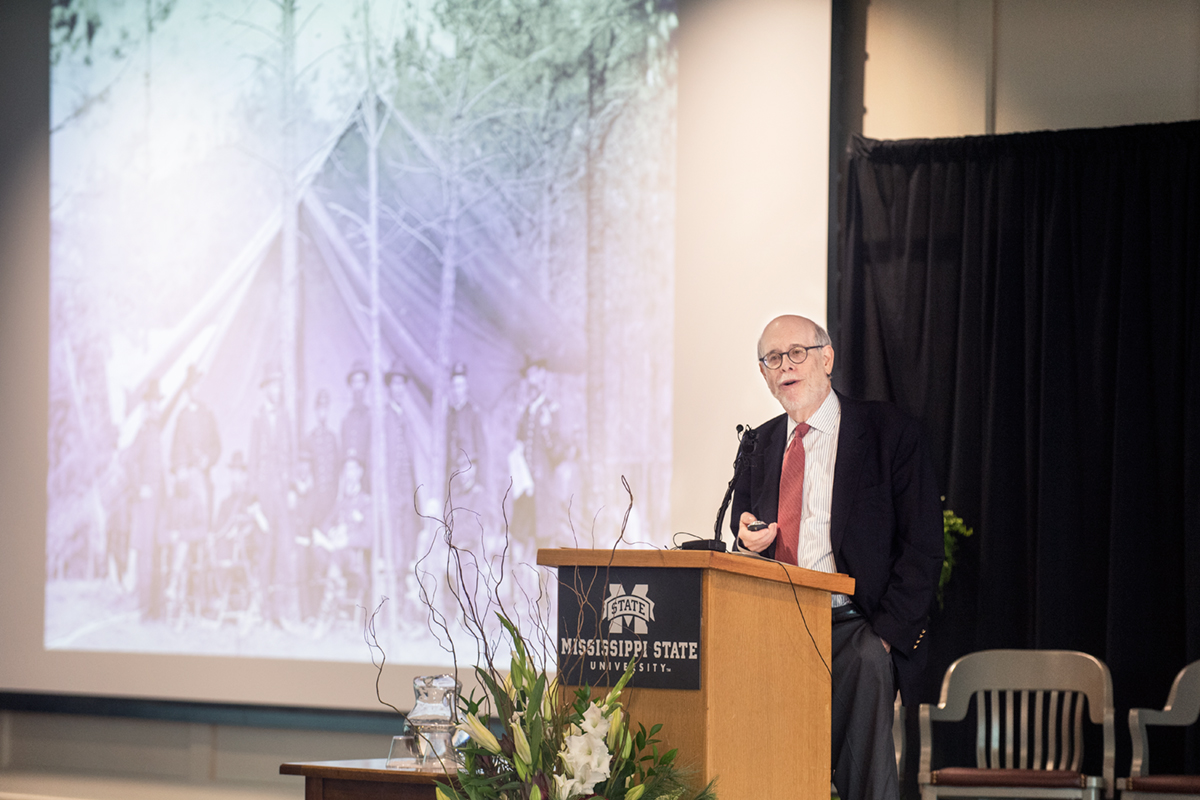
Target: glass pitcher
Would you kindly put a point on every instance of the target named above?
(433, 719)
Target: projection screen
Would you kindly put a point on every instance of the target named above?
(347, 298)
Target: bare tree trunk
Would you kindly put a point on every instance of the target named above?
(379, 456)
(545, 223)
(382, 584)
(289, 272)
(446, 306)
(597, 299)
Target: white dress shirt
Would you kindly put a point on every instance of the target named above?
(814, 549)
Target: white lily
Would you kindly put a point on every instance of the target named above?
(480, 733)
(549, 699)
(614, 728)
(520, 742)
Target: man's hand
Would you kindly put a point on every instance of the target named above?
(755, 541)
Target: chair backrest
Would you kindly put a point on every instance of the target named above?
(1029, 707)
(1182, 708)
(1183, 702)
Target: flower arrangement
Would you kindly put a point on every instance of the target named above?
(550, 749)
(525, 737)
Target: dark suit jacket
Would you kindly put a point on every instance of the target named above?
(885, 525)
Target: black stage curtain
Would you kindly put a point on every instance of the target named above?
(1035, 300)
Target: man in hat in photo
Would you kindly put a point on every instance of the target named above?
(539, 510)
(322, 445)
(196, 444)
(356, 425)
(270, 475)
(466, 448)
(303, 503)
(401, 480)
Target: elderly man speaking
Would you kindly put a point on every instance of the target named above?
(842, 485)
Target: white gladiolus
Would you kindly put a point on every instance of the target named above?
(594, 721)
(585, 756)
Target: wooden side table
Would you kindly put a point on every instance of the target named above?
(365, 779)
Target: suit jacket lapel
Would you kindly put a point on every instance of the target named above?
(850, 452)
(774, 437)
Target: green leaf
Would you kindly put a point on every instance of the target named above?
(518, 642)
(952, 526)
(534, 703)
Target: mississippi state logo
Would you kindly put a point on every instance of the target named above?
(628, 612)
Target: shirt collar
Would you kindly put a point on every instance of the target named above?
(824, 419)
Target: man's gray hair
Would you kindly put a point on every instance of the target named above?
(822, 336)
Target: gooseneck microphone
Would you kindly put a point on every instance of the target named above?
(748, 442)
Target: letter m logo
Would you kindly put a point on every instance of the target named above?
(628, 612)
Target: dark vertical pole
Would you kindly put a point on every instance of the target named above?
(848, 62)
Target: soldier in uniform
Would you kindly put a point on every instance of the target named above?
(356, 425)
(304, 502)
(196, 444)
(322, 444)
(401, 482)
(466, 448)
(539, 509)
(270, 475)
(144, 469)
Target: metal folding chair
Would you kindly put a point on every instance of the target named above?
(1029, 725)
(1182, 709)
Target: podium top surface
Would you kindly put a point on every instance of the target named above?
(367, 769)
(763, 568)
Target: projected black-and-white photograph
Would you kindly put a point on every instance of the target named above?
(328, 276)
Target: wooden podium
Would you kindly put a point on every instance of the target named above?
(367, 779)
(759, 722)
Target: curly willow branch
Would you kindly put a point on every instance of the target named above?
(463, 587)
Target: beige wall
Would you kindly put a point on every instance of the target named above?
(65, 756)
(752, 219)
(963, 67)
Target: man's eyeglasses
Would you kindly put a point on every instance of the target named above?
(797, 355)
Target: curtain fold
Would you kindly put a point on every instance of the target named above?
(1035, 300)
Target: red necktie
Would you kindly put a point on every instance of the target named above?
(791, 498)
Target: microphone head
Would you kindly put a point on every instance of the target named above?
(741, 428)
